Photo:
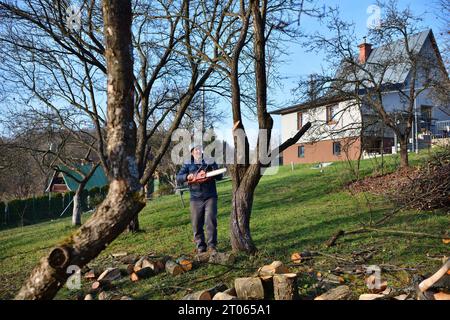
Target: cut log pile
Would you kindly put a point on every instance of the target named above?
(272, 281)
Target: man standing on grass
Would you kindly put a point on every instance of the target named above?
(203, 197)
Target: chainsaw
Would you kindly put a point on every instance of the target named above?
(202, 176)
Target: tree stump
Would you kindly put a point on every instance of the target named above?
(249, 288)
(285, 286)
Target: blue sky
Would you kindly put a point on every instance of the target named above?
(301, 63)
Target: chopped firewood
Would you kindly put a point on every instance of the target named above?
(173, 268)
(299, 257)
(446, 241)
(370, 296)
(157, 265)
(296, 258)
(125, 298)
(202, 257)
(222, 258)
(375, 285)
(285, 286)
(401, 297)
(146, 264)
(184, 263)
(387, 291)
(101, 285)
(89, 297)
(90, 275)
(249, 288)
(138, 263)
(104, 296)
(119, 255)
(441, 296)
(110, 274)
(427, 283)
(126, 269)
(276, 267)
(141, 274)
(128, 259)
(338, 293)
(199, 295)
(223, 296)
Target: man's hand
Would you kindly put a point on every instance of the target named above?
(190, 177)
(201, 174)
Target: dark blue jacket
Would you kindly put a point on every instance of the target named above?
(199, 191)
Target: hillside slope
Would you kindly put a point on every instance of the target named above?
(293, 211)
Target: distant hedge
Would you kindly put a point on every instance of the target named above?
(32, 210)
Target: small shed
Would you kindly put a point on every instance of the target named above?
(62, 181)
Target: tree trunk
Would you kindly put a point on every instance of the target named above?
(76, 213)
(124, 199)
(404, 162)
(241, 239)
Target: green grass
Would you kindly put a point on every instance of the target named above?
(293, 211)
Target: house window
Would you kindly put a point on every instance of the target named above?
(336, 148)
(299, 120)
(331, 114)
(301, 151)
(425, 121)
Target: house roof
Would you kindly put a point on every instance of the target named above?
(394, 57)
(98, 179)
(309, 105)
(395, 75)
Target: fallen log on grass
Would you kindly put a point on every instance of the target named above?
(142, 273)
(249, 288)
(222, 258)
(338, 293)
(173, 268)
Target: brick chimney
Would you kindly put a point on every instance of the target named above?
(364, 51)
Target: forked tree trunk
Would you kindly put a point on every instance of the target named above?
(244, 186)
(124, 199)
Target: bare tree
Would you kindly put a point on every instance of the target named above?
(63, 70)
(124, 199)
(244, 74)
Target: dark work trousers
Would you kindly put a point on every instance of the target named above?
(204, 211)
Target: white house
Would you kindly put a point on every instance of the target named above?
(343, 129)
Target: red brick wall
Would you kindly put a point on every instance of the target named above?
(322, 151)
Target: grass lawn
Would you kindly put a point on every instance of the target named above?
(293, 211)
